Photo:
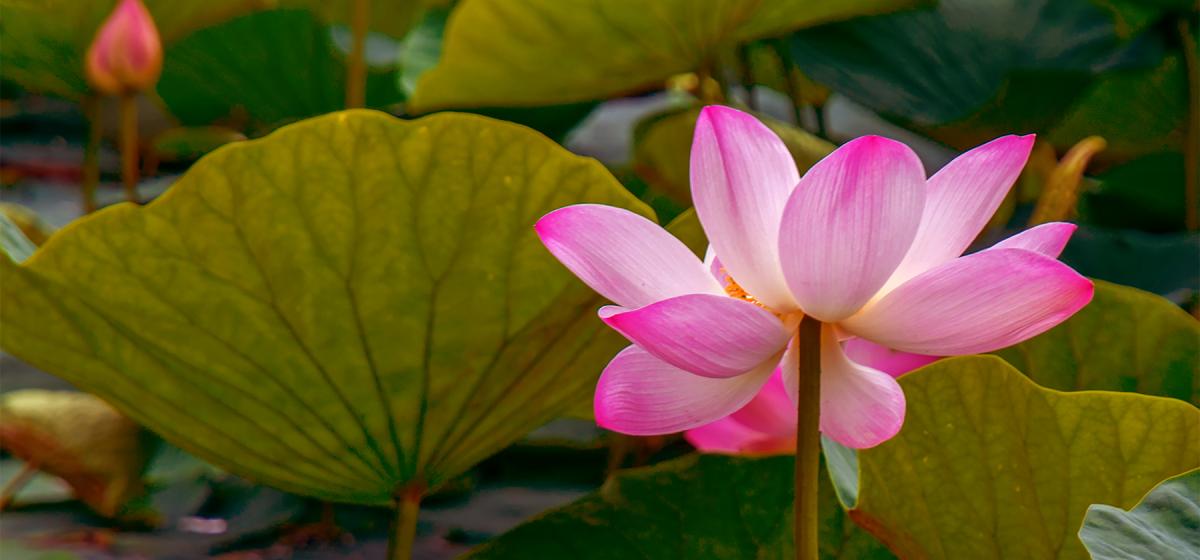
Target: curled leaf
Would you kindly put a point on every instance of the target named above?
(75, 436)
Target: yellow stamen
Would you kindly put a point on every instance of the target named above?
(736, 291)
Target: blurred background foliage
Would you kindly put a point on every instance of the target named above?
(1111, 88)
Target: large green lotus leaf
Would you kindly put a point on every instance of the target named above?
(504, 53)
(264, 68)
(350, 305)
(990, 465)
(420, 51)
(45, 40)
(1165, 524)
(663, 144)
(699, 506)
(1124, 340)
(966, 72)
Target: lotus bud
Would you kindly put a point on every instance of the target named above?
(126, 55)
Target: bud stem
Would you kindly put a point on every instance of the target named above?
(128, 131)
(808, 437)
(91, 163)
(356, 70)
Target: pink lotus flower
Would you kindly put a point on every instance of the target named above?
(126, 55)
(863, 243)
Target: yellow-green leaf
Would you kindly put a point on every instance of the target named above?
(990, 465)
(75, 436)
(353, 304)
(663, 142)
(503, 53)
(1124, 340)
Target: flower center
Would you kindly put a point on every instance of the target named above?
(736, 291)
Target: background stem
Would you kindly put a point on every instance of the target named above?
(746, 75)
(403, 531)
(91, 159)
(808, 437)
(16, 483)
(356, 70)
(789, 81)
(129, 146)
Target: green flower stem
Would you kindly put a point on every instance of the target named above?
(356, 70)
(808, 437)
(91, 161)
(128, 132)
(403, 531)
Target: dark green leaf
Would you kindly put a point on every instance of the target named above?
(1146, 194)
(1165, 264)
(263, 69)
(699, 506)
(965, 72)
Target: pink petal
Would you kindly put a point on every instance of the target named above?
(623, 256)
(788, 369)
(713, 336)
(766, 424)
(892, 362)
(977, 303)
(640, 395)
(962, 197)
(849, 223)
(723, 436)
(727, 436)
(860, 407)
(1048, 239)
(714, 266)
(771, 411)
(741, 176)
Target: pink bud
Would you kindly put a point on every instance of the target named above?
(126, 55)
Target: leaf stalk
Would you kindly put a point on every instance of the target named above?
(403, 532)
